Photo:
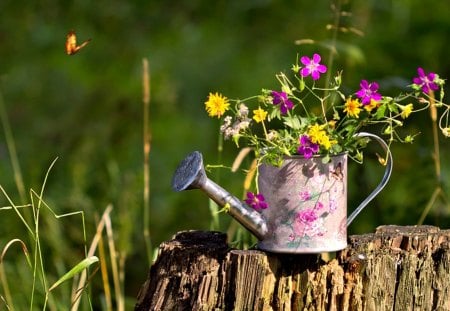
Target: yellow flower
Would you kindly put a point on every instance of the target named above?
(352, 107)
(370, 106)
(259, 115)
(318, 135)
(326, 142)
(406, 110)
(216, 105)
(315, 133)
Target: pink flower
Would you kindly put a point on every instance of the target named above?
(306, 216)
(318, 206)
(307, 223)
(368, 92)
(312, 67)
(256, 201)
(305, 195)
(425, 81)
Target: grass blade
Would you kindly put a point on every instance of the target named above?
(85, 263)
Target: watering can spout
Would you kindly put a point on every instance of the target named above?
(190, 174)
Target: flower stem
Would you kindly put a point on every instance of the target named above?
(436, 155)
(337, 18)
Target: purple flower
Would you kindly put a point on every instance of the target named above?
(368, 92)
(280, 98)
(425, 81)
(312, 67)
(307, 148)
(306, 216)
(256, 201)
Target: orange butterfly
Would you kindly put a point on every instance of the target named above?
(71, 43)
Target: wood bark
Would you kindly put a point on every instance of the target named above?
(395, 268)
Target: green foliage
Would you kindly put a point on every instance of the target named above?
(308, 128)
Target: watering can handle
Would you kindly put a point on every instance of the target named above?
(382, 184)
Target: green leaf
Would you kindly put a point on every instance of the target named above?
(336, 148)
(274, 114)
(75, 270)
(393, 107)
(380, 111)
(292, 122)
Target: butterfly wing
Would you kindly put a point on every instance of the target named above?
(71, 43)
(82, 45)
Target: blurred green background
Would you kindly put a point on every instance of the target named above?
(86, 109)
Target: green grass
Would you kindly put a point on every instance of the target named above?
(38, 275)
(39, 286)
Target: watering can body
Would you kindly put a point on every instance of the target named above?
(307, 201)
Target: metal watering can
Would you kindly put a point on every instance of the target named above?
(307, 201)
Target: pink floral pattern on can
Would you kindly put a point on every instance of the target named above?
(307, 205)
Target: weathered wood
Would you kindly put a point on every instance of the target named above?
(395, 268)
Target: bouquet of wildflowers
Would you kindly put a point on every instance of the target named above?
(302, 118)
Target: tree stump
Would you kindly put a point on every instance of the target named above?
(395, 268)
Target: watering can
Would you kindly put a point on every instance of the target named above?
(307, 201)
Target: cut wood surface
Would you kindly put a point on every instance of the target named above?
(395, 268)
